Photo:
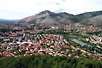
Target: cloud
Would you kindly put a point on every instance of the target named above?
(57, 4)
(64, 0)
(14, 9)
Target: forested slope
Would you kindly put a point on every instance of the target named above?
(48, 61)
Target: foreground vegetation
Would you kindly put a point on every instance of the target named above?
(48, 61)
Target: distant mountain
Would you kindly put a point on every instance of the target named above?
(87, 15)
(91, 18)
(4, 21)
(48, 17)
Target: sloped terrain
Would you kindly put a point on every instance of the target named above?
(48, 17)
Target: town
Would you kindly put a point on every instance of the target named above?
(33, 42)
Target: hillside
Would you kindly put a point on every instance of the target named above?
(48, 17)
(90, 18)
(48, 61)
(88, 15)
(97, 21)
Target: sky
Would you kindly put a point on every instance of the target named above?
(18, 9)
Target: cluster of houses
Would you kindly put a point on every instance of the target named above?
(95, 39)
(32, 44)
(81, 29)
(28, 42)
(66, 28)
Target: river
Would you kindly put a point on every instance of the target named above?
(85, 44)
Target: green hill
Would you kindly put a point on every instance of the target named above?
(48, 61)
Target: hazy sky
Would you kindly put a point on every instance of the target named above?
(17, 9)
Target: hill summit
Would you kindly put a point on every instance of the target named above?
(48, 17)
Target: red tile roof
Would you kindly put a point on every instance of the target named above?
(95, 55)
(3, 58)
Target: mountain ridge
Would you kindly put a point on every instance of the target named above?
(48, 17)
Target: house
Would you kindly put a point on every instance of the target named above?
(90, 54)
(63, 55)
(62, 52)
(95, 55)
(35, 53)
(28, 47)
(26, 54)
(8, 46)
(41, 53)
(67, 50)
(10, 55)
(100, 58)
(2, 58)
(84, 53)
(1, 53)
(77, 56)
(69, 55)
